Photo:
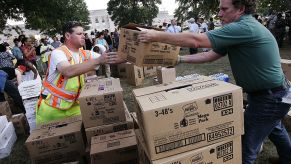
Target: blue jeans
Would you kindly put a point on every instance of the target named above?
(262, 119)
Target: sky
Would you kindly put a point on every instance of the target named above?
(168, 5)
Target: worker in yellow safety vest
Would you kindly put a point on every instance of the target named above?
(64, 78)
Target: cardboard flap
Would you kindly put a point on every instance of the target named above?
(138, 27)
(168, 86)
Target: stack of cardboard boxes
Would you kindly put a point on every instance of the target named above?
(57, 142)
(7, 137)
(29, 90)
(195, 121)
(135, 75)
(103, 111)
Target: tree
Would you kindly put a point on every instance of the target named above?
(265, 6)
(48, 16)
(195, 8)
(135, 11)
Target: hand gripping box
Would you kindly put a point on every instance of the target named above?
(57, 143)
(224, 152)
(145, 54)
(186, 117)
(110, 128)
(113, 148)
(101, 103)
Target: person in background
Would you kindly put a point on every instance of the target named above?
(28, 50)
(173, 28)
(193, 27)
(255, 61)
(56, 43)
(10, 89)
(108, 39)
(5, 57)
(211, 24)
(16, 49)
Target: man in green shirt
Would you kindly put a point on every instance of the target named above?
(255, 61)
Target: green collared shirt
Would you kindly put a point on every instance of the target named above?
(253, 53)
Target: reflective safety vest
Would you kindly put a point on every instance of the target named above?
(64, 92)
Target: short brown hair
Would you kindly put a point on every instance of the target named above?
(68, 27)
(250, 5)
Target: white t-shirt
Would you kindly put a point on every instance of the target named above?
(193, 27)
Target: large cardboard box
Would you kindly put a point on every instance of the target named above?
(5, 109)
(113, 148)
(121, 68)
(179, 119)
(105, 129)
(56, 144)
(166, 75)
(225, 152)
(145, 54)
(149, 71)
(101, 103)
(134, 75)
(286, 66)
(20, 124)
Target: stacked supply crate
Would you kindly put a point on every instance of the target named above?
(57, 142)
(103, 110)
(7, 137)
(190, 121)
(29, 90)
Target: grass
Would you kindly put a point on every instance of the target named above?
(20, 155)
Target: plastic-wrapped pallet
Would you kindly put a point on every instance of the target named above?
(220, 76)
(7, 140)
(30, 106)
(3, 123)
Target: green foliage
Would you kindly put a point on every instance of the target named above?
(134, 11)
(265, 6)
(48, 16)
(195, 8)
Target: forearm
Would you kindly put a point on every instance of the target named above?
(184, 39)
(79, 69)
(199, 57)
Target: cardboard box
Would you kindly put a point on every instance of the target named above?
(121, 68)
(101, 103)
(286, 67)
(5, 109)
(105, 129)
(187, 117)
(56, 144)
(58, 123)
(29, 89)
(3, 122)
(166, 75)
(6, 147)
(113, 148)
(225, 152)
(145, 54)
(20, 124)
(134, 75)
(149, 71)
